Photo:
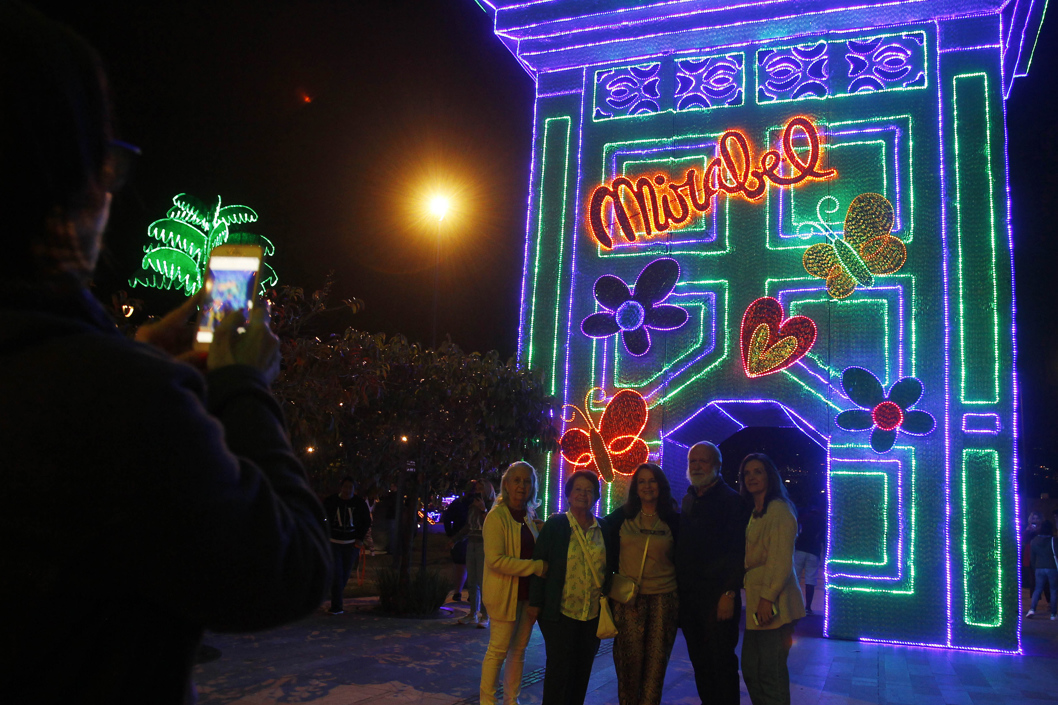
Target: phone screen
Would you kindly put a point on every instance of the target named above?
(230, 282)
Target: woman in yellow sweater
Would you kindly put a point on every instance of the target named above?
(509, 533)
(773, 597)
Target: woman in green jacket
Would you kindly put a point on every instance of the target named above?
(566, 602)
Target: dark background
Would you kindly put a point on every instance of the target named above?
(336, 121)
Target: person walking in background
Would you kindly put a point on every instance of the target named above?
(773, 596)
(348, 518)
(565, 602)
(710, 559)
(1044, 562)
(454, 518)
(1031, 530)
(480, 503)
(509, 533)
(807, 549)
(643, 533)
(157, 498)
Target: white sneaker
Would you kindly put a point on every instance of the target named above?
(1028, 615)
(482, 621)
(467, 619)
(1054, 617)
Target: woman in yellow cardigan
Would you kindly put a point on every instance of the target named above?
(509, 532)
(773, 597)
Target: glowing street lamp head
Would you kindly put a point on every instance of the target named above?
(439, 206)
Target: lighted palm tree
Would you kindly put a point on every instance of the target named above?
(181, 242)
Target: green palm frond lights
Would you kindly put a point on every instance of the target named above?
(175, 257)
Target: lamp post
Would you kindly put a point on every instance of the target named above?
(438, 208)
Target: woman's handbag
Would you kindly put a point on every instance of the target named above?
(624, 589)
(606, 629)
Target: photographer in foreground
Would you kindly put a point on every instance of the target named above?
(135, 511)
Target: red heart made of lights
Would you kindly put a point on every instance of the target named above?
(769, 343)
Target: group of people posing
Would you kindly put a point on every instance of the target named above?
(658, 566)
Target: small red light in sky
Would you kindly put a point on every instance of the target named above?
(305, 97)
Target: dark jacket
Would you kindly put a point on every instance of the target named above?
(134, 513)
(711, 553)
(347, 519)
(1042, 553)
(552, 545)
(615, 520)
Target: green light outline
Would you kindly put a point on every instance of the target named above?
(910, 494)
(908, 232)
(997, 548)
(885, 511)
(964, 392)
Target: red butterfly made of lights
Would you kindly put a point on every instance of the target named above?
(614, 446)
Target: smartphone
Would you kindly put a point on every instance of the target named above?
(231, 282)
(774, 611)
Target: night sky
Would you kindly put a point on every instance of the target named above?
(336, 121)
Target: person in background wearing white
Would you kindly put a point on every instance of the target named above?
(509, 534)
(773, 596)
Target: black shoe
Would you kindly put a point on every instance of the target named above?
(456, 597)
(331, 611)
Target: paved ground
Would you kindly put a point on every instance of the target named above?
(367, 659)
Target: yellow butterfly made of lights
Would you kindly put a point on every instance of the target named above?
(866, 249)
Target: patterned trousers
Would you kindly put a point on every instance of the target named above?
(646, 632)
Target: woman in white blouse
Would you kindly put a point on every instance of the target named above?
(773, 596)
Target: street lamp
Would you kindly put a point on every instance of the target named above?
(438, 208)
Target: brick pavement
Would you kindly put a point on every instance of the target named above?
(363, 658)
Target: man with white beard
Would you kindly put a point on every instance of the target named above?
(710, 558)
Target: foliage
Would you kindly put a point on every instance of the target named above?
(176, 257)
(366, 405)
(427, 590)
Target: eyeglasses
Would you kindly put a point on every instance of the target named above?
(123, 157)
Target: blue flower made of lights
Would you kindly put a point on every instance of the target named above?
(885, 413)
(633, 312)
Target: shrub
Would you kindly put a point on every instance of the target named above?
(427, 591)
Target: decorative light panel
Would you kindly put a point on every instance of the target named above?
(773, 215)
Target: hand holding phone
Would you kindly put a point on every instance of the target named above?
(231, 282)
(257, 346)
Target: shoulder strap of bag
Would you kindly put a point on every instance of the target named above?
(643, 563)
(575, 528)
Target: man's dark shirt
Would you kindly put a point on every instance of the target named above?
(347, 519)
(710, 555)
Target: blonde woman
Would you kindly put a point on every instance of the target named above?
(773, 596)
(509, 535)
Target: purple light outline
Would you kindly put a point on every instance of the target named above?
(901, 519)
(697, 11)
(901, 352)
(713, 210)
(528, 237)
(945, 294)
(575, 234)
(666, 374)
(1015, 391)
(785, 194)
(979, 46)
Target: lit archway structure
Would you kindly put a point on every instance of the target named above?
(801, 206)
